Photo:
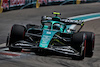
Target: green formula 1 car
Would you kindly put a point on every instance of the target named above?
(55, 34)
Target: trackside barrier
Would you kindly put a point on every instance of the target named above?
(21, 4)
(37, 4)
(78, 1)
(1, 9)
(66, 1)
(28, 5)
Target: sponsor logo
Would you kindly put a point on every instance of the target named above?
(16, 3)
(11, 3)
(48, 32)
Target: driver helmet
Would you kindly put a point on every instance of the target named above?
(56, 26)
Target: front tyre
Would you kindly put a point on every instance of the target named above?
(90, 43)
(79, 44)
(17, 33)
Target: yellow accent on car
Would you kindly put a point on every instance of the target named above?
(56, 13)
(58, 41)
(82, 24)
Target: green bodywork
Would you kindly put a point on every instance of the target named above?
(49, 31)
(62, 25)
(46, 38)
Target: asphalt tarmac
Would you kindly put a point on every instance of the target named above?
(33, 15)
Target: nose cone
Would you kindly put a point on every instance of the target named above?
(46, 38)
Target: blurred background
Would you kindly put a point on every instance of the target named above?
(6, 5)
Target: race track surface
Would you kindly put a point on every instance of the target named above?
(33, 15)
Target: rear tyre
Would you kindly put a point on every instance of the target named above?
(79, 44)
(17, 33)
(90, 43)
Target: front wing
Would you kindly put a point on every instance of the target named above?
(66, 50)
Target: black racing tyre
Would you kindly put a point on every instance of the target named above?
(7, 41)
(78, 42)
(90, 43)
(17, 33)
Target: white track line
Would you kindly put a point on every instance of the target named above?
(73, 26)
(83, 15)
(3, 45)
(91, 19)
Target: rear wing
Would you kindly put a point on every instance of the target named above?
(69, 22)
(76, 22)
(64, 20)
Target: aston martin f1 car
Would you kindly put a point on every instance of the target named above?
(55, 34)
